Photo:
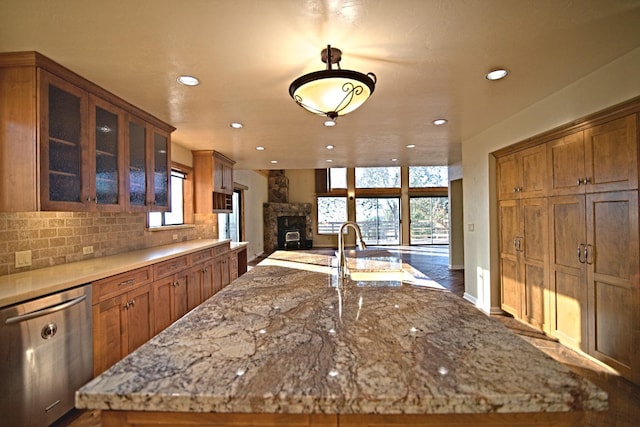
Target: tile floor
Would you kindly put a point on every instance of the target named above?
(624, 396)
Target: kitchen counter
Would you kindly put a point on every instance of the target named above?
(19, 287)
(289, 337)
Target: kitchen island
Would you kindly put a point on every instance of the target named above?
(290, 343)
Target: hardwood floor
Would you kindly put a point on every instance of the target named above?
(624, 396)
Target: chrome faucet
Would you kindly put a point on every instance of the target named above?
(342, 258)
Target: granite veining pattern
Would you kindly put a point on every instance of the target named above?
(289, 340)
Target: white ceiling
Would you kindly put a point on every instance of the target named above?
(430, 57)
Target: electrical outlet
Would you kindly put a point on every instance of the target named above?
(23, 259)
(175, 237)
(471, 227)
(87, 250)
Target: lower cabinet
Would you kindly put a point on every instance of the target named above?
(221, 274)
(123, 310)
(170, 299)
(201, 277)
(130, 308)
(594, 277)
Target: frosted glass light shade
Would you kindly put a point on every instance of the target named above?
(332, 93)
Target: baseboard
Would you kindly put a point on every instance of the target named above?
(258, 255)
(496, 311)
(456, 267)
(473, 300)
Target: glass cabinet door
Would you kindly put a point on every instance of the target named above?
(161, 171)
(106, 157)
(63, 145)
(137, 166)
(107, 145)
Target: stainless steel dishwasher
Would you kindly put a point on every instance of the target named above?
(46, 354)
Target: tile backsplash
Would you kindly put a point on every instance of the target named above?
(59, 237)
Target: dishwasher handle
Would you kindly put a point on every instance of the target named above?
(48, 310)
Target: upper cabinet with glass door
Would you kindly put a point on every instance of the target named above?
(64, 145)
(106, 124)
(65, 141)
(148, 153)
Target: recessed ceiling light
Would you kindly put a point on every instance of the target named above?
(330, 147)
(274, 161)
(394, 160)
(260, 148)
(497, 74)
(188, 80)
(329, 160)
(439, 122)
(236, 125)
(330, 123)
(411, 146)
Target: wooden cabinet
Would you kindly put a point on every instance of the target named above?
(594, 276)
(122, 316)
(170, 299)
(221, 272)
(171, 291)
(66, 141)
(600, 158)
(586, 291)
(106, 151)
(523, 174)
(64, 145)
(222, 174)
(524, 260)
(213, 177)
(233, 266)
(202, 273)
(130, 308)
(148, 167)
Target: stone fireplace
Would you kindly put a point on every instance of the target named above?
(281, 217)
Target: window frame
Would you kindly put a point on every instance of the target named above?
(187, 202)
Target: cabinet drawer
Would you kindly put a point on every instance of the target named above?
(169, 267)
(200, 256)
(121, 283)
(219, 250)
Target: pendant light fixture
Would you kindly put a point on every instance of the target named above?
(332, 93)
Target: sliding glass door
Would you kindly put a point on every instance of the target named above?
(379, 220)
(429, 220)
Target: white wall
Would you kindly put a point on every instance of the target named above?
(612, 84)
(254, 197)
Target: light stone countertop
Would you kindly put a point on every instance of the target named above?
(284, 338)
(23, 286)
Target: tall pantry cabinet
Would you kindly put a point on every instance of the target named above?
(569, 256)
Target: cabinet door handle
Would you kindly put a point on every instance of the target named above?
(588, 254)
(127, 282)
(581, 249)
(519, 244)
(515, 244)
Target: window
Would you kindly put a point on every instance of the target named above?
(332, 212)
(176, 215)
(428, 176)
(378, 177)
(230, 224)
(337, 178)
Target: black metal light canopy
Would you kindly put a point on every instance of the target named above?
(332, 93)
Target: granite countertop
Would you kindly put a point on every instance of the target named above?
(285, 338)
(19, 287)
